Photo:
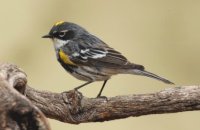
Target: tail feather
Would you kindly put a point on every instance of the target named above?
(151, 75)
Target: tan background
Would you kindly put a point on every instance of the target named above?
(163, 35)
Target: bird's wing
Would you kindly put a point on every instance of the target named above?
(94, 52)
(100, 57)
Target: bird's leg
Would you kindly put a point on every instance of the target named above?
(83, 85)
(99, 95)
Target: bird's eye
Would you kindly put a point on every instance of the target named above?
(62, 34)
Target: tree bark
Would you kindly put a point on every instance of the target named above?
(73, 107)
(16, 111)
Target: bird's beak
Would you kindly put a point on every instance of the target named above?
(47, 36)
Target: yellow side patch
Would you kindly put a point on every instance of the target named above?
(59, 23)
(65, 58)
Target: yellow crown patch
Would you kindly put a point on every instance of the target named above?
(59, 23)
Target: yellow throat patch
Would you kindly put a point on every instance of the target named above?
(65, 58)
(59, 23)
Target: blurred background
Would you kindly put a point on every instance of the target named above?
(162, 35)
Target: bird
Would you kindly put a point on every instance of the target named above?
(88, 58)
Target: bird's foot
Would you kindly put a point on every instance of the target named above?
(102, 97)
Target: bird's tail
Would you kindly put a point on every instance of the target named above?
(139, 70)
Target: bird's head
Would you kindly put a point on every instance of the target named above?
(64, 31)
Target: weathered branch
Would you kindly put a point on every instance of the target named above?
(73, 107)
(16, 111)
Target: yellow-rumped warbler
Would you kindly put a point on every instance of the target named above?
(88, 58)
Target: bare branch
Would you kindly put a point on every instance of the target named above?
(72, 107)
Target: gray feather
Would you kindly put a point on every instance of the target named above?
(151, 75)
